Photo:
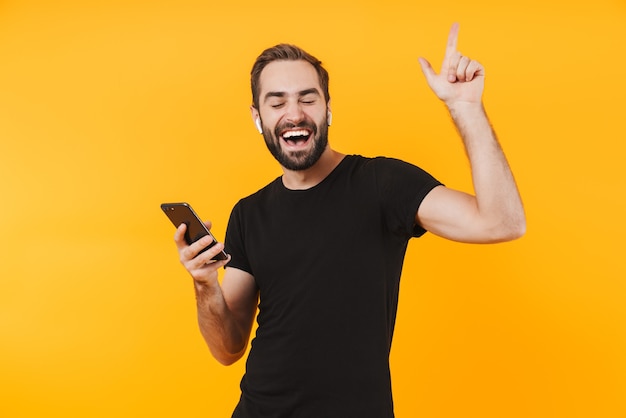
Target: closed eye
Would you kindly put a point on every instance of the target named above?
(310, 97)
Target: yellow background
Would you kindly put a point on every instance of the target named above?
(109, 108)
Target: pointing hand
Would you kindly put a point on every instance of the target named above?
(460, 79)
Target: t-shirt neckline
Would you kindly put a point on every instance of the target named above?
(330, 175)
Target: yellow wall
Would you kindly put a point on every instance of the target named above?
(109, 108)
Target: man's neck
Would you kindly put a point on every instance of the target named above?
(311, 177)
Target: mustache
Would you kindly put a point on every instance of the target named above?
(305, 124)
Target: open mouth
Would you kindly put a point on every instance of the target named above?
(296, 137)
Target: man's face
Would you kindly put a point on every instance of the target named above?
(293, 112)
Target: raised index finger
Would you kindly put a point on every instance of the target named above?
(452, 40)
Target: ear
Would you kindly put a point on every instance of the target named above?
(256, 119)
(329, 114)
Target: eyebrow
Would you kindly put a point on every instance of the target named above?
(283, 94)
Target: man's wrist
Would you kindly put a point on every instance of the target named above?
(462, 108)
(204, 289)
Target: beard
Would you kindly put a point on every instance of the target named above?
(298, 160)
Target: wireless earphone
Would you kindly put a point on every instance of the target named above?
(329, 118)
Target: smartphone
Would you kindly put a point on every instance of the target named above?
(182, 213)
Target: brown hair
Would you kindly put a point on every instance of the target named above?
(285, 52)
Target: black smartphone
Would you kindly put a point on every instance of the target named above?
(182, 213)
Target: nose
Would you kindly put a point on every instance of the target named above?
(294, 113)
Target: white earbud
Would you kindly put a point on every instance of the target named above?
(329, 118)
(257, 122)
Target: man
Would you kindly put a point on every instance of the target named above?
(319, 250)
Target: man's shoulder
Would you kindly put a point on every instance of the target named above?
(263, 193)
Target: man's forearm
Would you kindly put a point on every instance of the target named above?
(218, 325)
(496, 192)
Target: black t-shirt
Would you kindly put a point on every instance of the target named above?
(327, 262)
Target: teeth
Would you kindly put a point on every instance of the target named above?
(291, 134)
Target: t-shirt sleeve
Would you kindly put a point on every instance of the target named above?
(402, 187)
(234, 242)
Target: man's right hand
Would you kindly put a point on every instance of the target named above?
(201, 266)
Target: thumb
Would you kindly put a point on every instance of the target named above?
(427, 69)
